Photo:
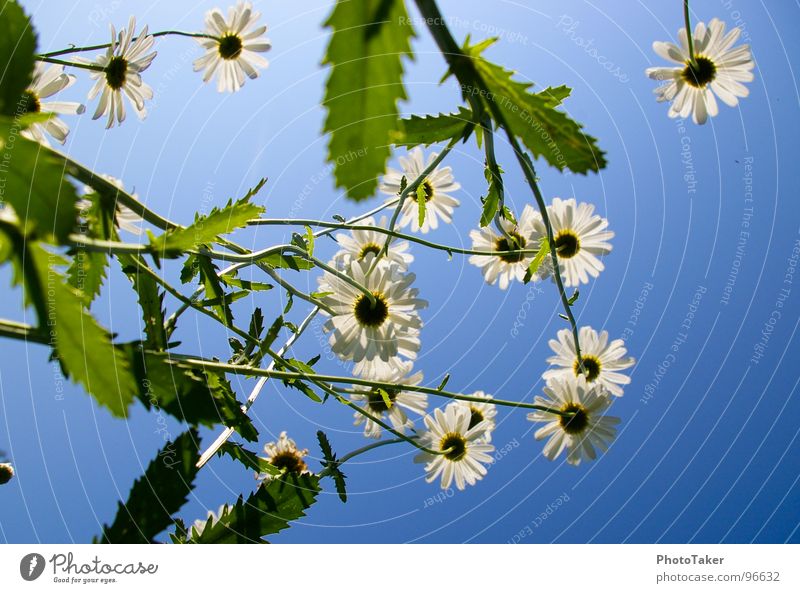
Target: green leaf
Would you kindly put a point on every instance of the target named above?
(87, 272)
(574, 297)
(309, 240)
(151, 302)
(211, 282)
(32, 181)
(430, 129)
(189, 270)
(272, 332)
(544, 249)
(256, 323)
(443, 384)
(421, 203)
(365, 52)
(268, 510)
(533, 118)
(157, 495)
(248, 459)
(232, 280)
(296, 383)
(555, 95)
(332, 465)
(493, 197)
(17, 47)
(82, 346)
(186, 393)
(287, 261)
(206, 229)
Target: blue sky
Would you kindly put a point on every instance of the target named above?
(708, 447)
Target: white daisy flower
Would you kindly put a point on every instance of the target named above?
(374, 403)
(46, 83)
(6, 473)
(505, 268)
(481, 412)
(285, 455)
(449, 430)
(234, 51)
(437, 186)
(580, 237)
(126, 219)
(601, 361)
(373, 336)
(719, 69)
(122, 64)
(358, 244)
(582, 432)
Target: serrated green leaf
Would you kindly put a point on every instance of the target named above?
(33, 183)
(17, 48)
(532, 117)
(226, 299)
(189, 270)
(555, 94)
(247, 458)
(533, 267)
(82, 346)
(268, 510)
(493, 196)
(272, 332)
(205, 229)
(303, 387)
(256, 323)
(157, 495)
(365, 53)
(151, 302)
(186, 393)
(231, 280)
(430, 129)
(87, 272)
(332, 465)
(309, 240)
(211, 282)
(287, 261)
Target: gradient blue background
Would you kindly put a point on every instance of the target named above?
(711, 457)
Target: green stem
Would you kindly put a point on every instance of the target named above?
(412, 187)
(251, 371)
(491, 162)
(94, 67)
(105, 187)
(22, 331)
(689, 33)
(291, 289)
(461, 65)
(228, 432)
(72, 50)
(357, 452)
(395, 234)
(258, 255)
(389, 428)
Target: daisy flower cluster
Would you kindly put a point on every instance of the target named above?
(233, 46)
(376, 324)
